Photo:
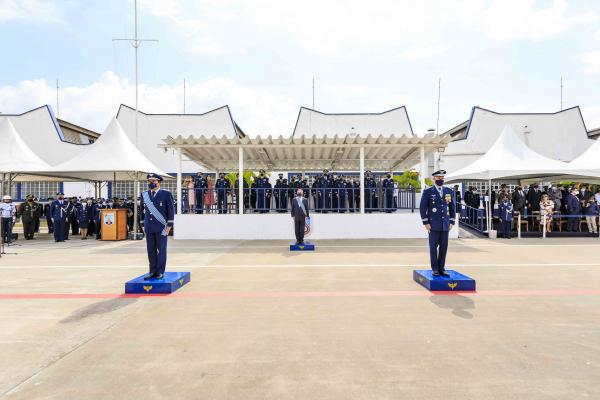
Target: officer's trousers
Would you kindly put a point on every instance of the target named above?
(28, 228)
(50, 225)
(60, 230)
(438, 246)
(506, 229)
(7, 230)
(156, 244)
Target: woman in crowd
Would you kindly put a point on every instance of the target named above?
(547, 208)
(188, 184)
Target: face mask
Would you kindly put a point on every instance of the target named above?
(439, 182)
(152, 185)
(89, 202)
(61, 198)
(389, 176)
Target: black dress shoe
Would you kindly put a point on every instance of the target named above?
(158, 276)
(444, 274)
(435, 273)
(149, 276)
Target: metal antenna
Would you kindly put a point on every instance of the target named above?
(135, 42)
(437, 125)
(184, 95)
(561, 93)
(57, 104)
(313, 104)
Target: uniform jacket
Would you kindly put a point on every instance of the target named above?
(163, 201)
(506, 211)
(58, 211)
(85, 212)
(518, 200)
(30, 211)
(439, 212)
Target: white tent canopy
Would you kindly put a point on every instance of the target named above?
(15, 155)
(112, 156)
(590, 158)
(510, 157)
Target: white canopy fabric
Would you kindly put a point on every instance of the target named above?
(510, 157)
(112, 156)
(15, 155)
(590, 158)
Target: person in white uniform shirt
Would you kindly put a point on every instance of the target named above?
(8, 212)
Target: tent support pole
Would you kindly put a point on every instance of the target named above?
(136, 194)
(423, 173)
(241, 180)
(362, 180)
(489, 206)
(179, 179)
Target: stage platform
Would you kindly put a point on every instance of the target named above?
(171, 282)
(455, 282)
(398, 225)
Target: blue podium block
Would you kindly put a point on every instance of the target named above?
(456, 281)
(302, 247)
(170, 282)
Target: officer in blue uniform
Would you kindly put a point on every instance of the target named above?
(506, 216)
(223, 187)
(263, 193)
(438, 214)
(200, 186)
(59, 210)
(370, 193)
(158, 208)
(388, 193)
(96, 208)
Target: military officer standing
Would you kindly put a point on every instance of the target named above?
(222, 186)
(8, 215)
(388, 193)
(263, 193)
(200, 186)
(280, 194)
(438, 214)
(29, 212)
(60, 217)
(158, 209)
(96, 208)
(370, 189)
(48, 215)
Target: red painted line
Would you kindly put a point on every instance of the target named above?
(305, 294)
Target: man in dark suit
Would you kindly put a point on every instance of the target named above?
(533, 198)
(518, 199)
(299, 213)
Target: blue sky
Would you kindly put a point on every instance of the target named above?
(260, 57)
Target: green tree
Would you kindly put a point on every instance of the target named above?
(410, 178)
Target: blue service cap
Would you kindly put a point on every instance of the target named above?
(441, 172)
(154, 176)
(60, 194)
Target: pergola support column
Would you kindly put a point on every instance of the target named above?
(241, 180)
(423, 166)
(362, 180)
(179, 179)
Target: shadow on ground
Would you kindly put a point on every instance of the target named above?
(455, 302)
(102, 307)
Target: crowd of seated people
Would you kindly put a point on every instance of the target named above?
(552, 207)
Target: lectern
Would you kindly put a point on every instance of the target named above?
(113, 224)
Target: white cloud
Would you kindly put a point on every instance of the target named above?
(591, 116)
(597, 35)
(592, 62)
(257, 111)
(420, 53)
(333, 26)
(30, 11)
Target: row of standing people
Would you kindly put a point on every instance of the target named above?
(329, 192)
(64, 216)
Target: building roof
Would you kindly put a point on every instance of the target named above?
(393, 122)
(41, 131)
(540, 131)
(152, 128)
(594, 133)
(72, 128)
(309, 153)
